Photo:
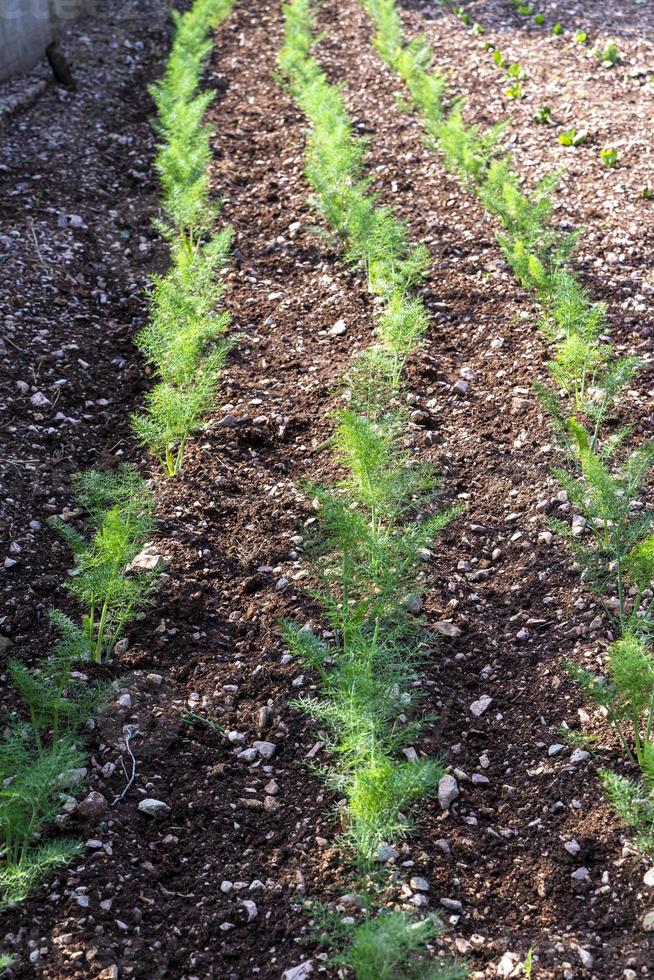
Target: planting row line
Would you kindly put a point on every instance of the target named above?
(42, 760)
(373, 527)
(603, 477)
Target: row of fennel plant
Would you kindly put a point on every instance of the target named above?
(185, 338)
(41, 756)
(604, 478)
(373, 525)
(41, 753)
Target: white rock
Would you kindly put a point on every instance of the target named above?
(226, 887)
(648, 878)
(298, 972)
(555, 748)
(585, 957)
(478, 707)
(339, 328)
(572, 847)
(448, 790)
(154, 808)
(647, 921)
(251, 909)
(579, 755)
(419, 884)
(581, 874)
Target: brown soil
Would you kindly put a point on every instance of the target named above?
(148, 901)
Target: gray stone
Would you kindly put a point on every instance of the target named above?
(419, 884)
(265, 749)
(154, 808)
(452, 904)
(448, 790)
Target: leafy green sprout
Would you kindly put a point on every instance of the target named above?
(543, 116)
(6, 960)
(609, 157)
(558, 30)
(514, 91)
(539, 19)
(573, 137)
(608, 55)
(580, 37)
(499, 59)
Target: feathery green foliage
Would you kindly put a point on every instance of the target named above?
(185, 339)
(31, 784)
(617, 546)
(368, 552)
(391, 946)
(119, 508)
(6, 961)
(373, 237)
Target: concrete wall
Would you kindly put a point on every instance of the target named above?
(28, 26)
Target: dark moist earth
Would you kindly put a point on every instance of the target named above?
(529, 850)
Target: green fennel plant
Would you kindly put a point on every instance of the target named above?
(119, 508)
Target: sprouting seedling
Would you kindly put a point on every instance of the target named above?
(558, 30)
(580, 37)
(647, 193)
(525, 10)
(539, 19)
(477, 28)
(609, 156)
(463, 15)
(528, 964)
(543, 116)
(514, 91)
(515, 70)
(499, 59)
(608, 55)
(573, 137)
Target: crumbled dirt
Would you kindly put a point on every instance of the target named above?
(155, 905)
